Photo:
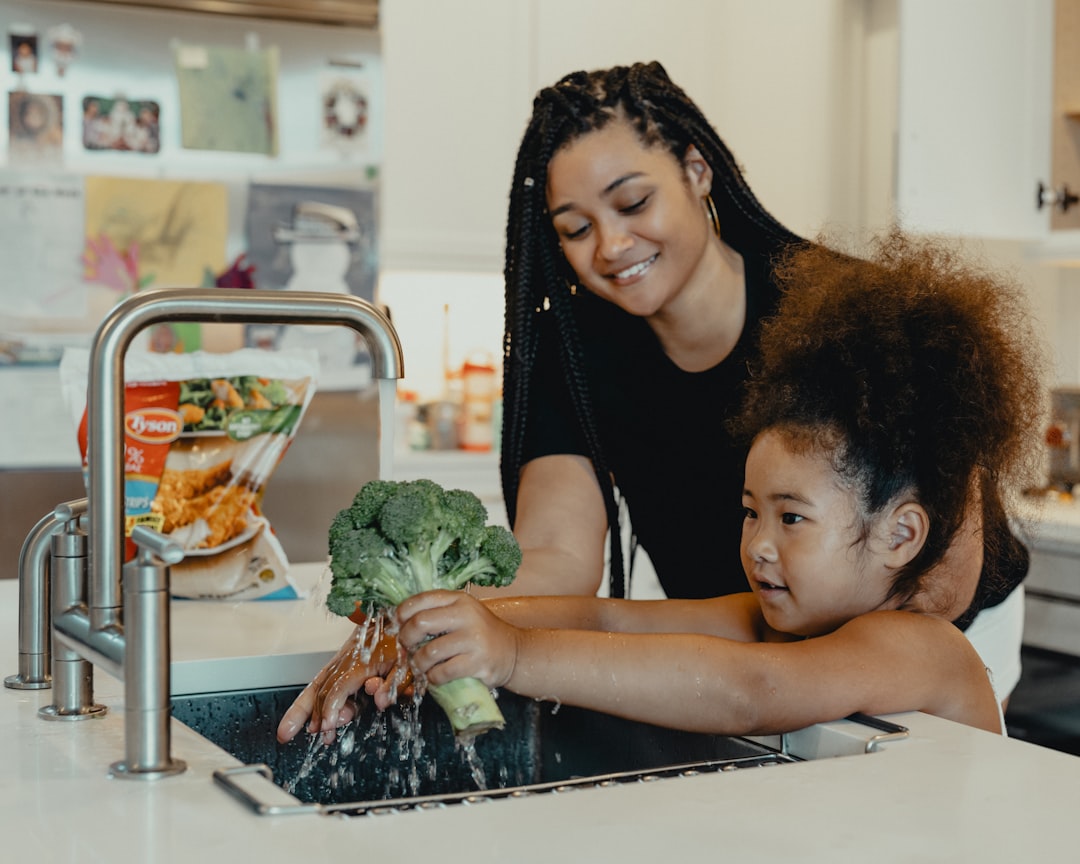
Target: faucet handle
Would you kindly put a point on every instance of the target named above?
(70, 510)
(150, 541)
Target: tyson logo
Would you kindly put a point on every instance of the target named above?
(154, 425)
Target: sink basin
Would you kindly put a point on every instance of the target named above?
(381, 763)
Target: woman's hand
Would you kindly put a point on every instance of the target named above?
(451, 635)
(327, 703)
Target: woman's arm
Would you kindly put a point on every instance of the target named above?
(883, 662)
(561, 526)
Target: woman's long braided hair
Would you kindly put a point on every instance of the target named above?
(538, 278)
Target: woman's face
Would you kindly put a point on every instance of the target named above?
(630, 219)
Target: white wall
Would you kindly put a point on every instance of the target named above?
(780, 79)
(443, 317)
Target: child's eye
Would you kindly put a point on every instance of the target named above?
(791, 518)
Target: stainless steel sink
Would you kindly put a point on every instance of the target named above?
(381, 766)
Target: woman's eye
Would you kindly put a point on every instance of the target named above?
(637, 205)
(749, 513)
(576, 233)
(791, 518)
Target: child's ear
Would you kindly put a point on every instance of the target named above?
(908, 529)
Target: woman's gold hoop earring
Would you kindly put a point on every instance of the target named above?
(710, 212)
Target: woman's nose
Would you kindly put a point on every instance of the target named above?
(613, 242)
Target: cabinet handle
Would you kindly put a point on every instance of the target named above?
(1062, 198)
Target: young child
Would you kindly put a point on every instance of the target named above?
(892, 394)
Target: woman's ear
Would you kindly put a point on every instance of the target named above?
(908, 527)
(698, 171)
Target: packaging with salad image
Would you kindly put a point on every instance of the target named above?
(203, 435)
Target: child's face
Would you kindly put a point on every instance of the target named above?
(801, 548)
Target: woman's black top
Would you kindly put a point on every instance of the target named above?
(663, 433)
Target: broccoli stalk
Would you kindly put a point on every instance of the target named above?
(400, 538)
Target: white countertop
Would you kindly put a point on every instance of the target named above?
(948, 793)
(1049, 522)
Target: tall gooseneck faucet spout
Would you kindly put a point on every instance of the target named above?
(105, 394)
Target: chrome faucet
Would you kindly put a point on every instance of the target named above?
(35, 655)
(91, 623)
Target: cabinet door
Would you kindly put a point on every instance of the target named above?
(457, 98)
(974, 116)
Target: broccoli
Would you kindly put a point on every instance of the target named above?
(399, 538)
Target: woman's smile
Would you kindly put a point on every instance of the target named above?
(632, 273)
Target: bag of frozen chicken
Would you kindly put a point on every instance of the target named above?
(203, 434)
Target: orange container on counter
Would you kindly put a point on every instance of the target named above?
(478, 386)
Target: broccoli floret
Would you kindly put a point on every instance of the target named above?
(399, 538)
(368, 502)
(362, 572)
(493, 561)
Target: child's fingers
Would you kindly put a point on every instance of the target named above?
(459, 666)
(419, 622)
(426, 600)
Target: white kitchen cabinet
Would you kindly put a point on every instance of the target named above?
(782, 83)
(975, 98)
(1051, 530)
(1052, 600)
(457, 85)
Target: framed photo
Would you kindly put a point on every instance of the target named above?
(24, 52)
(121, 124)
(35, 126)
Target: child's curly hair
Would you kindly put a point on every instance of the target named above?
(915, 370)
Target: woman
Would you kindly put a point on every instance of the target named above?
(639, 267)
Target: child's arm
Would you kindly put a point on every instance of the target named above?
(735, 616)
(880, 663)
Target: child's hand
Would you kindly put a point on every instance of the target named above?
(452, 635)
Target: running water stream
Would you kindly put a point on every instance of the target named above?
(387, 414)
(394, 739)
